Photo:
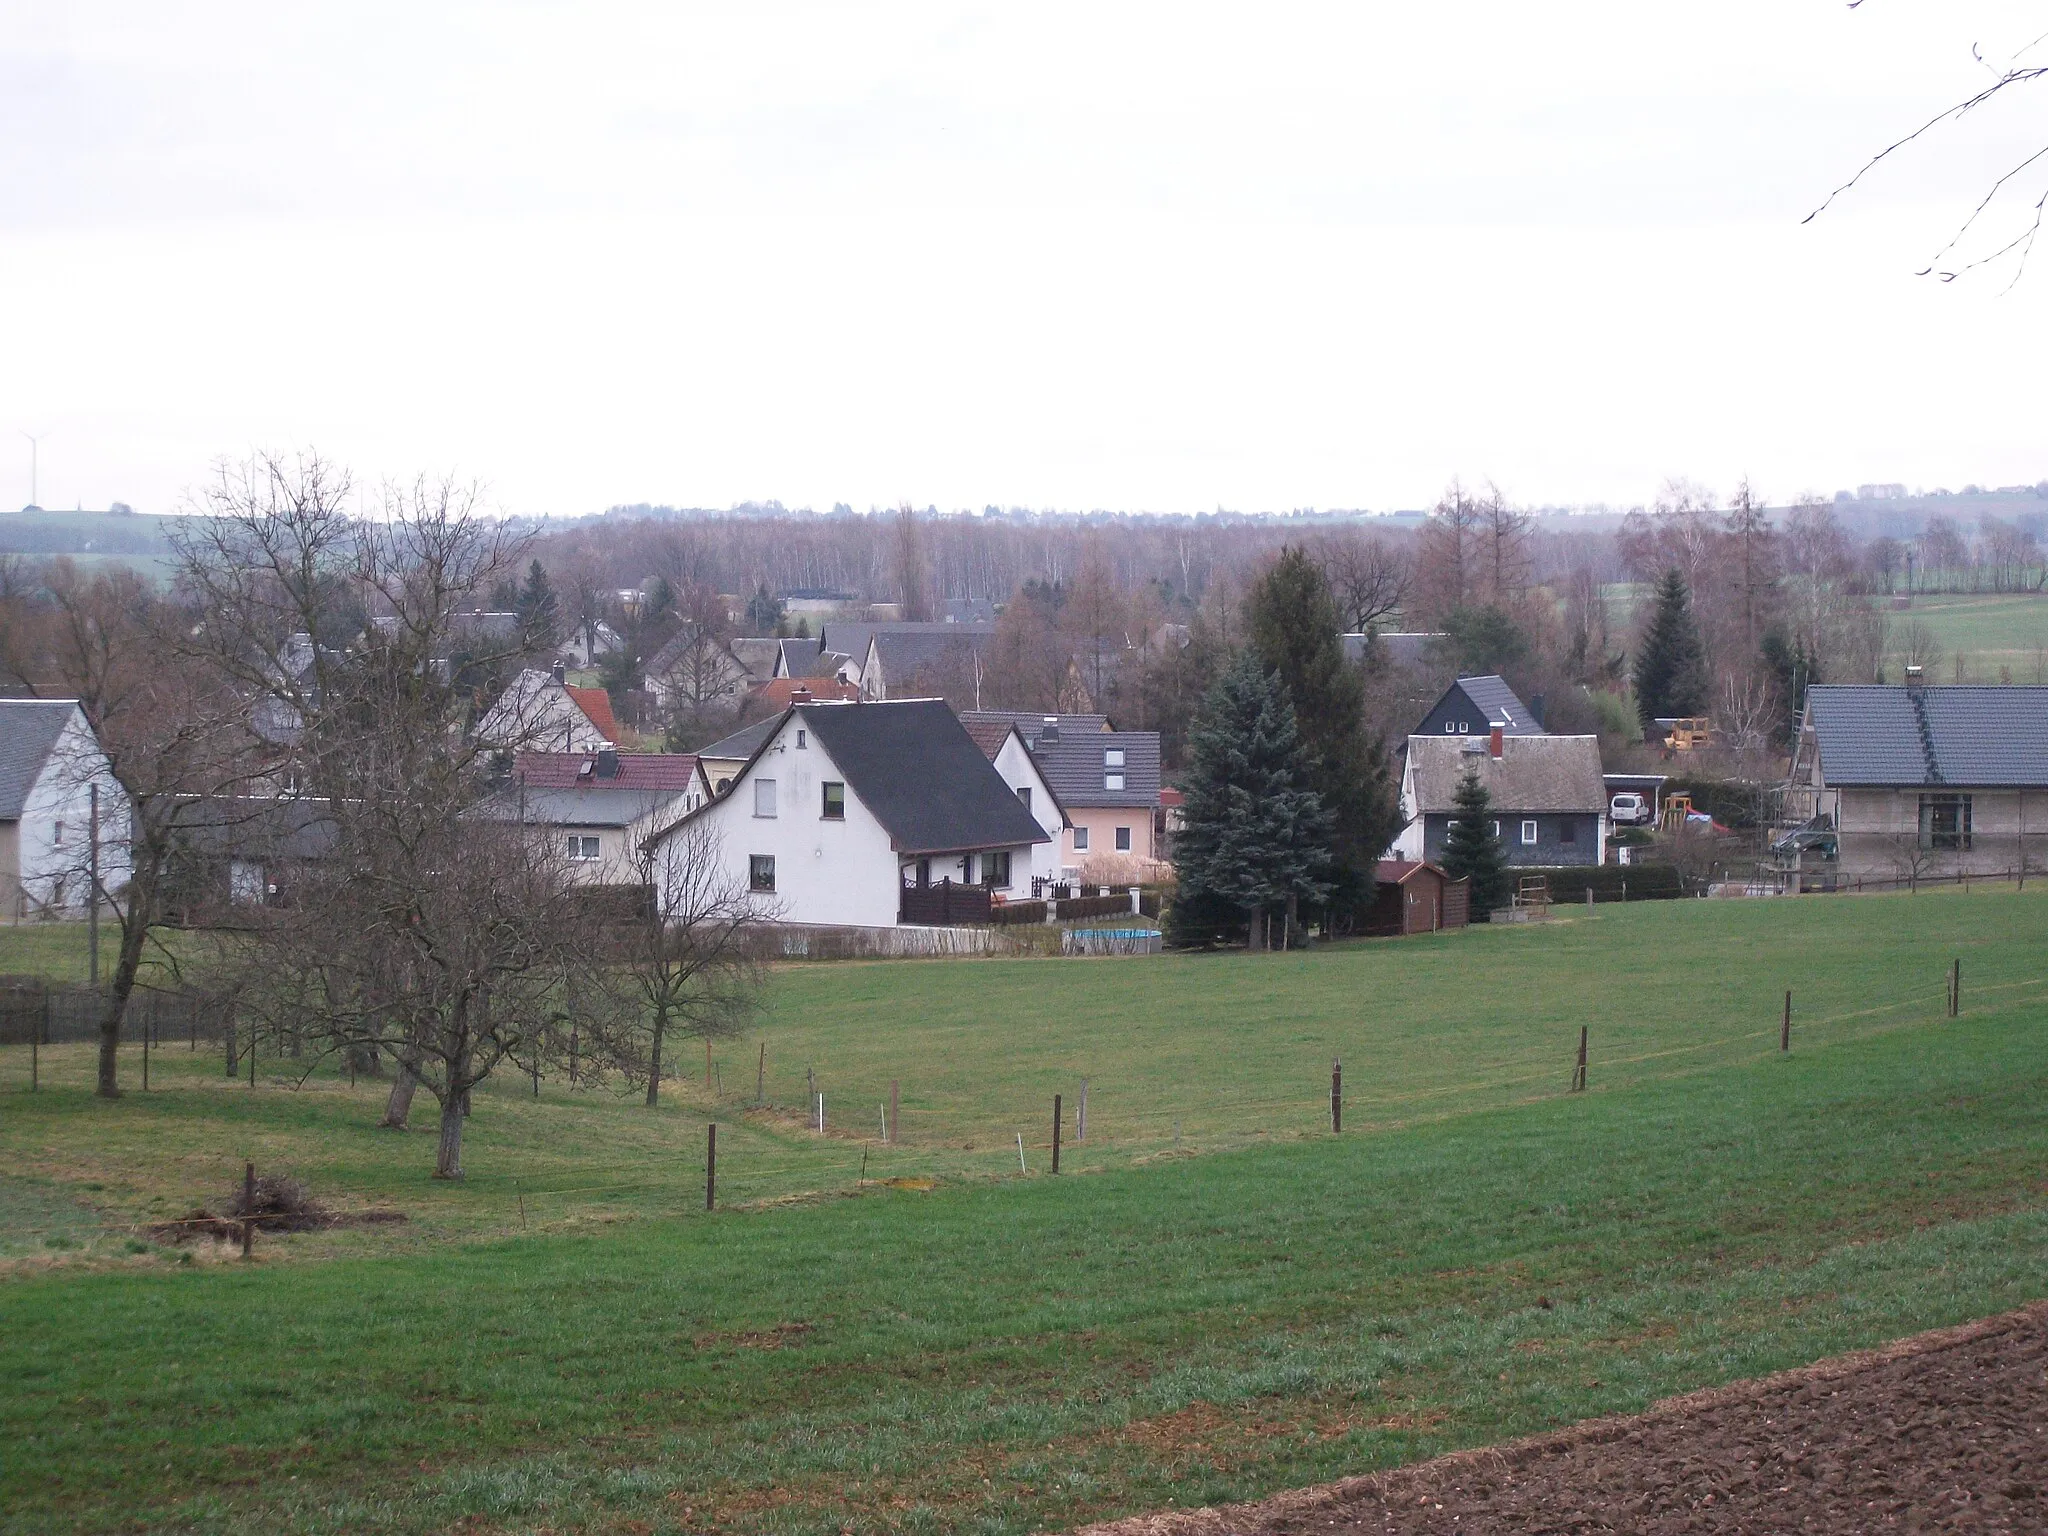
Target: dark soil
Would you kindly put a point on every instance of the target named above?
(1944, 1432)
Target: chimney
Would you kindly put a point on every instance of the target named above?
(1493, 742)
(799, 695)
(561, 673)
(607, 761)
(1915, 675)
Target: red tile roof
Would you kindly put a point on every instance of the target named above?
(637, 770)
(989, 735)
(596, 705)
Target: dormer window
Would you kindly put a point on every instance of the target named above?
(1112, 781)
(1112, 757)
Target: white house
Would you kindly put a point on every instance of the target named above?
(1004, 744)
(853, 814)
(598, 807)
(543, 712)
(50, 763)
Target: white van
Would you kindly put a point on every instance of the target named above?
(1629, 810)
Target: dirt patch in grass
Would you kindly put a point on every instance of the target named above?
(1938, 1432)
(780, 1336)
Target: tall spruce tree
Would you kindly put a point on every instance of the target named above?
(1256, 837)
(1292, 621)
(1671, 666)
(540, 614)
(1471, 851)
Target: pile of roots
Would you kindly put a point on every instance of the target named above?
(279, 1203)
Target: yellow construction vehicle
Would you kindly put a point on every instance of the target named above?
(1690, 734)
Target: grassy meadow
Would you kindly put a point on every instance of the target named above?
(1995, 634)
(1478, 1255)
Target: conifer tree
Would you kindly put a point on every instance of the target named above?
(1256, 838)
(1294, 626)
(1670, 670)
(539, 613)
(1471, 851)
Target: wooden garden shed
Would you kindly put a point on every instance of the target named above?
(1417, 897)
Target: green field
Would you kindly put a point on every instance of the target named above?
(1996, 635)
(1479, 1255)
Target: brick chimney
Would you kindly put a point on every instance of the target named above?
(1915, 675)
(799, 695)
(561, 673)
(1493, 742)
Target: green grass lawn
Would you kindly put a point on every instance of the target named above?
(1989, 631)
(1479, 1255)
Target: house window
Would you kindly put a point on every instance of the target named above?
(1945, 822)
(764, 797)
(1528, 834)
(1123, 839)
(1024, 794)
(1112, 781)
(582, 849)
(995, 870)
(1464, 726)
(1112, 757)
(802, 741)
(1080, 839)
(1450, 727)
(835, 802)
(1567, 830)
(1496, 831)
(761, 871)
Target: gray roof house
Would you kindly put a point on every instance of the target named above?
(866, 814)
(1921, 781)
(49, 762)
(1474, 705)
(1107, 782)
(1549, 799)
(925, 660)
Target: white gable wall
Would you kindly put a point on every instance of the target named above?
(62, 797)
(828, 872)
(1019, 770)
(1408, 844)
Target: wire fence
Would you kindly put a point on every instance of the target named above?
(773, 1151)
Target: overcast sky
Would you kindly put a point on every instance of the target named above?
(1151, 258)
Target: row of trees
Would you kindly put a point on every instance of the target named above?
(421, 924)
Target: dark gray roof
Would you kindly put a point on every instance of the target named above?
(1918, 736)
(915, 767)
(1492, 696)
(904, 655)
(743, 743)
(1075, 767)
(257, 827)
(29, 728)
(1533, 773)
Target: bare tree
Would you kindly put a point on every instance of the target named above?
(1917, 647)
(1448, 552)
(913, 571)
(685, 966)
(176, 739)
(1368, 576)
(1505, 560)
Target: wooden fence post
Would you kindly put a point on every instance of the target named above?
(761, 1076)
(1955, 990)
(248, 1208)
(711, 1166)
(1055, 1133)
(895, 1114)
(1579, 1070)
(1081, 1109)
(1336, 1096)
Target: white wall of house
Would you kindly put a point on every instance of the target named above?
(829, 872)
(536, 714)
(1408, 842)
(1019, 770)
(53, 843)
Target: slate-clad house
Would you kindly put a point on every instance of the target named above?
(867, 814)
(1547, 795)
(1472, 706)
(1920, 780)
(1004, 746)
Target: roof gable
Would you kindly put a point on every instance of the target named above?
(635, 770)
(1077, 766)
(1492, 697)
(596, 705)
(29, 729)
(1897, 736)
(921, 775)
